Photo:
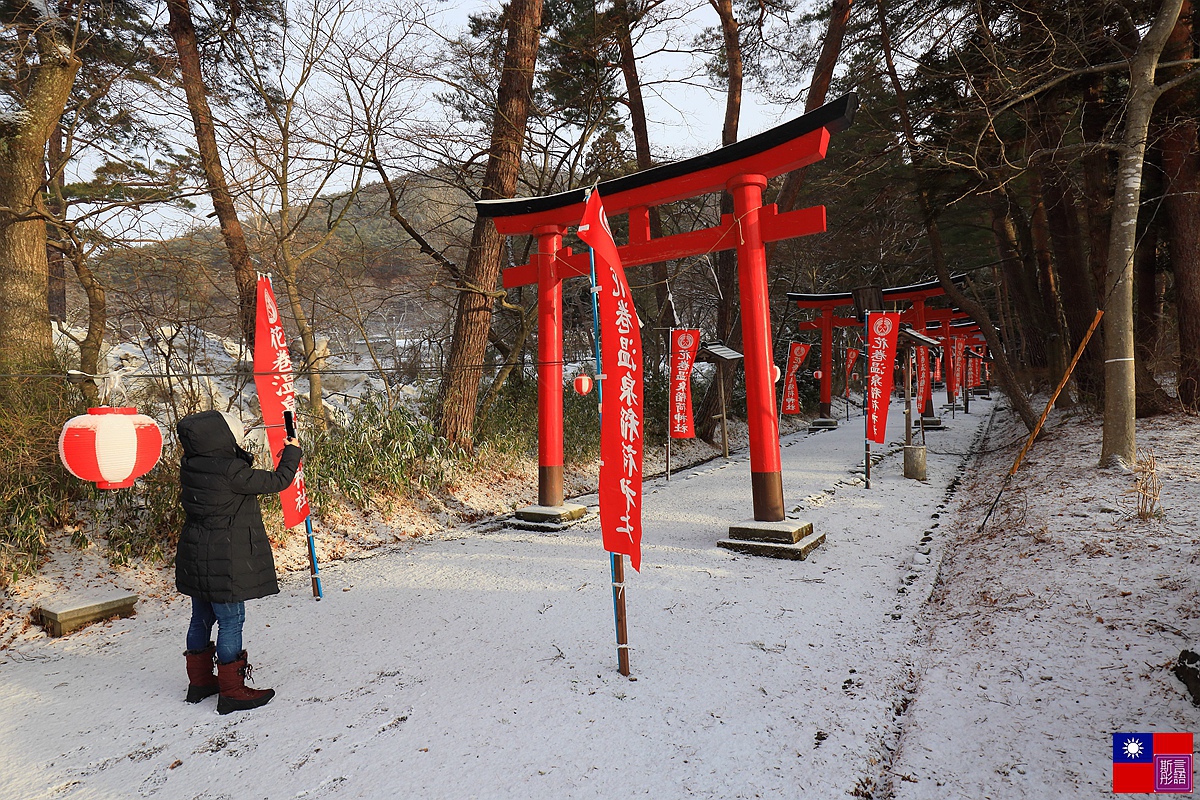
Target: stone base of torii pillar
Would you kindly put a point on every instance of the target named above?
(551, 515)
(789, 538)
(822, 424)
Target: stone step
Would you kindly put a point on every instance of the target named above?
(795, 552)
(70, 613)
(788, 531)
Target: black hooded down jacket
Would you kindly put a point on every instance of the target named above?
(224, 555)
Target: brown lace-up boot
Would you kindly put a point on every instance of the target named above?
(235, 694)
(202, 681)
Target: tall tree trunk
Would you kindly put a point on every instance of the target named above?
(641, 149)
(1098, 166)
(1151, 397)
(818, 91)
(1181, 168)
(1048, 288)
(183, 32)
(1119, 444)
(1008, 274)
(57, 208)
(727, 282)
(1078, 292)
(459, 389)
(290, 269)
(1004, 372)
(93, 341)
(24, 269)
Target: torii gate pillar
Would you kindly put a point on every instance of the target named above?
(549, 368)
(826, 402)
(766, 479)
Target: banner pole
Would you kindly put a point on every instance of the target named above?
(670, 369)
(866, 414)
(616, 561)
(289, 426)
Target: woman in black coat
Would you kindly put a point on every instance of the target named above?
(224, 556)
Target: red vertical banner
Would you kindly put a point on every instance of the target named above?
(851, 357)
(959, 373)
(620, 488)
(974, 365)
(684, 344)
(948, 365)
(882, 330)
(274, 382)
(923, 384)
(797, 352)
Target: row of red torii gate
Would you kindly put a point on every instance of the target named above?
(743, 169)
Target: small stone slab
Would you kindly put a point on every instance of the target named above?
(823, 424)
(795, 552)
(930, 424)
(551, 514)
(70, 613)
(788, 531)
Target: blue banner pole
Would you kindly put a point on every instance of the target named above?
(616, 562)
(289, 426)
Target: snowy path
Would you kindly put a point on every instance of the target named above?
(482, 665)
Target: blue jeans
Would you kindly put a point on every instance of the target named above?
(228, 617)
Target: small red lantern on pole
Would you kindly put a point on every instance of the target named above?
(111, 447)
(817, 374)
(583, 384)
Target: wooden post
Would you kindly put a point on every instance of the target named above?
(908, 357)
(721, 393)
(617, 563)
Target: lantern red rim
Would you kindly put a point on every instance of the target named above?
(112, 410)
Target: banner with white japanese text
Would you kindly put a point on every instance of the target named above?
(882, 330)
(621, 426)
(923, 384)
(851, 357)
(959, 373)
(973, 365)
(797, 352)
(684, 344)
(274, 382)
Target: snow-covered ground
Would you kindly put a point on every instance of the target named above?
(480, 663)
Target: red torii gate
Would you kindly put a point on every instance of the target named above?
(918, 316)
(742, 168)
(946, 325)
